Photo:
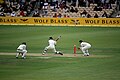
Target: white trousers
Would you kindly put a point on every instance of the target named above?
(85, 50)
(49, 47)
(23, 52)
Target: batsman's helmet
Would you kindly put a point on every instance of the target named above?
(24, 43)
(50, 37)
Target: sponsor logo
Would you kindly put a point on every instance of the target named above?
(23, 20)
(75, 21)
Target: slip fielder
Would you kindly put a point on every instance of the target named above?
(22, 49)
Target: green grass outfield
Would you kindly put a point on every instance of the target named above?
(103, 64)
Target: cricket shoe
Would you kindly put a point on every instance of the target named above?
(58, 52)
(43, 53)
(85, 55)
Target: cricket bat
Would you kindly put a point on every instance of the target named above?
(58, 38)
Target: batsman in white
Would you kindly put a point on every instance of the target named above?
(22, 50)
(52, 44)
(84, 46)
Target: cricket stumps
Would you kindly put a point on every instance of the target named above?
(74, 50)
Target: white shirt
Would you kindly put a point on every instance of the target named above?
(22, 47)
(83, 44)
(52, 43)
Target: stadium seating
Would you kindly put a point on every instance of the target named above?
(64, 8)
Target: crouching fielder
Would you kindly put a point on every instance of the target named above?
(52, 44)
(84, 46)
(21, 50)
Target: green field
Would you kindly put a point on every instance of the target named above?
(103, 66)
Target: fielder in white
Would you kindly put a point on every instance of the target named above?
(52, 44)
(22, 50)
(84, 46)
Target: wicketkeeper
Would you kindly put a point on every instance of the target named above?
(84, 46)
(52, 44)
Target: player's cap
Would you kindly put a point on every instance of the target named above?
(50, 37)
(80, 41)
(24, 43)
